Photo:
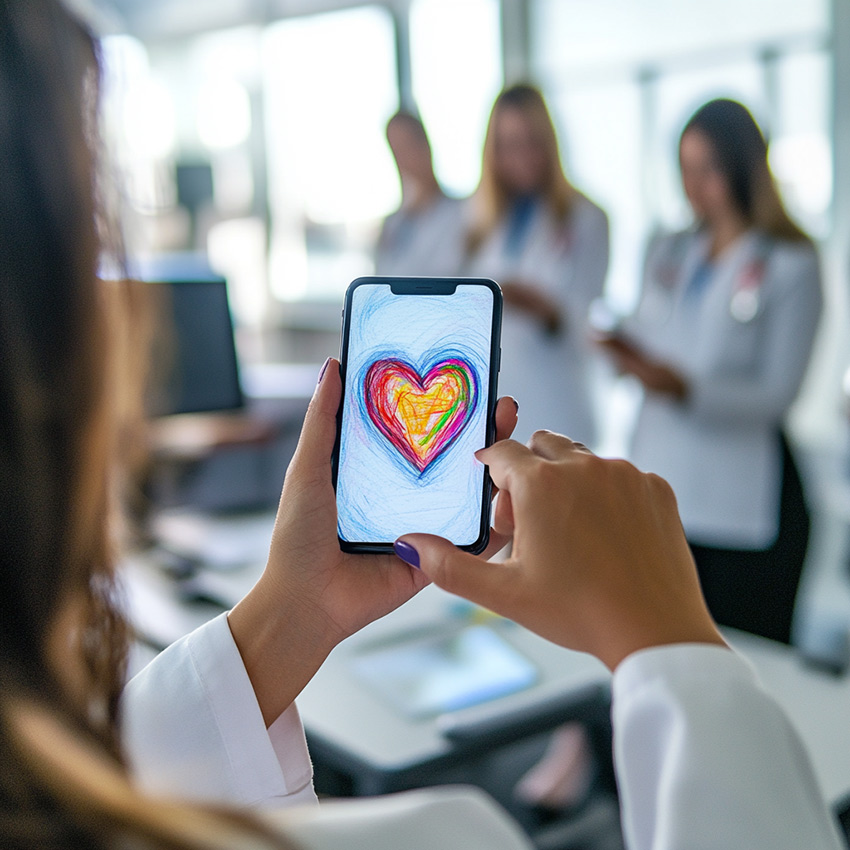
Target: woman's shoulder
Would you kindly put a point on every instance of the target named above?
(792, 261)
(802, 250)
(464, 818)
(589, 212)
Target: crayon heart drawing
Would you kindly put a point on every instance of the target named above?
(420, 415)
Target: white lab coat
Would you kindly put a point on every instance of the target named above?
(719, 450)
(193, 730)
(705, 759)
(549, 375)
(426, 242)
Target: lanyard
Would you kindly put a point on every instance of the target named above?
(519, 222)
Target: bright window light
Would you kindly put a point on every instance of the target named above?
(457, 73)
(149, 124)
(330, 86)
(138, 108)
(224, 114)
(802, 165)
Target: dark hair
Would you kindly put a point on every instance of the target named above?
(54, 341)
(741, 152)
(63, 783)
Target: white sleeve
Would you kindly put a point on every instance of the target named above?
(193, 728)
(451, 818)
(591, 263)
(766, 393)
(707, 759)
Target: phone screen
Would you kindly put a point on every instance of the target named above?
(419, 391)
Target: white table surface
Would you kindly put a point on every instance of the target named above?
(339, 707)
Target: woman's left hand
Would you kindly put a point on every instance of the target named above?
(536, 302)
(313, 595)
(656, 377)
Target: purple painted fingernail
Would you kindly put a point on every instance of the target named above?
(323, 370)
(407, 553)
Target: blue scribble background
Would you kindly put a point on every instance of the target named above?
(379, 494)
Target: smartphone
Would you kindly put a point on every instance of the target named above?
(606, 325)
(420, 363)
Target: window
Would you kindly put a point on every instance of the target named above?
(800, 152)
(623, 77)
(457, 72)
(330, 86)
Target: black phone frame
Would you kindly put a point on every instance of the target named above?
(427, 286)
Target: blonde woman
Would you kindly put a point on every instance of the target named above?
(547, 246)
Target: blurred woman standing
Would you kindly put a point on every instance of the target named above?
(720, 341)
(422, 237)
(547, 246)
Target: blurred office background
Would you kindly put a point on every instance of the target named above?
(253, 129)
(252, 133)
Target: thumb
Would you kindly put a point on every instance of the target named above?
(456, 571)
(318, 433)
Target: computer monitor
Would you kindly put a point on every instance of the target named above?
(195, 364)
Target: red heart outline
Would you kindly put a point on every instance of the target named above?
(420, 416)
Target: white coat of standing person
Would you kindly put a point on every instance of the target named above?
(423, 236)
(546, 244)
(720, 341)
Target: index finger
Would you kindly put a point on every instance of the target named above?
(554, 446)
(318, 433)
(504, 459)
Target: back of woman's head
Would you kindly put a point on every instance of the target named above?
(55, 448)
(741, 154)
(62, 642)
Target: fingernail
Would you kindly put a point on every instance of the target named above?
(407, 553)
(516, 404)
(322, 372)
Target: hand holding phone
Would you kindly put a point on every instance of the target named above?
(312, 595)
(420, 361)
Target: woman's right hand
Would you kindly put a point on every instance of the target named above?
(599, 562)
(656, 377)
(534, 301)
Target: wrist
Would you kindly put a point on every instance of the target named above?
(629, 642)
(282, 643)
(616, 631)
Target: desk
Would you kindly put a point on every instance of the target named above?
(234, 460)
(349, 724)
(351, 727)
